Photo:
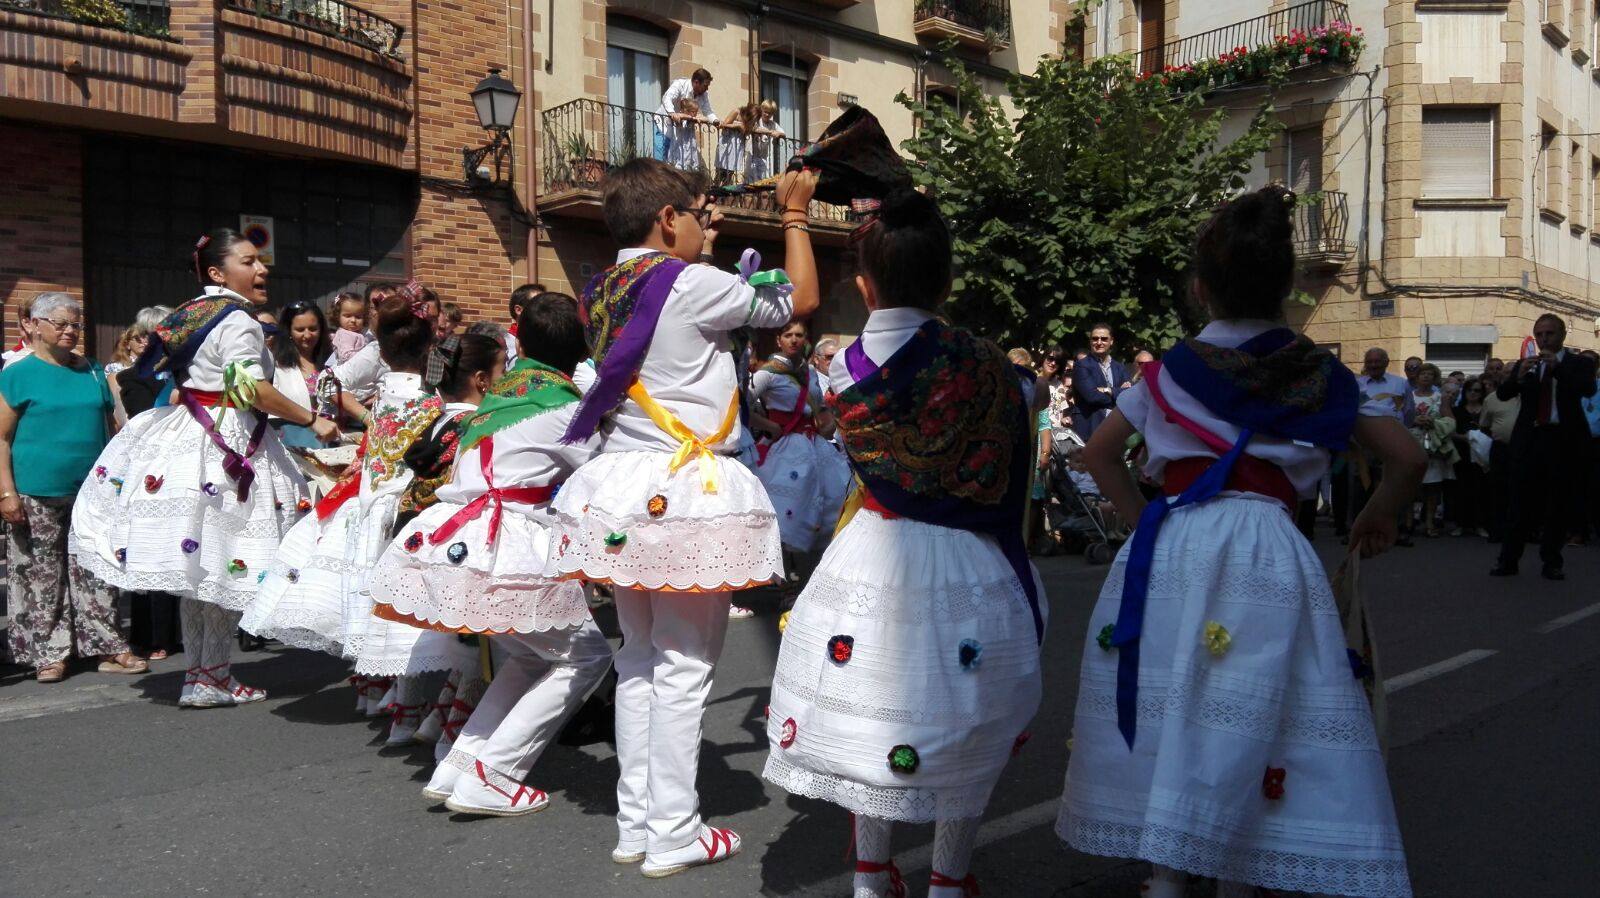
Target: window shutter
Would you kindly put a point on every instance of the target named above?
(1457, 153)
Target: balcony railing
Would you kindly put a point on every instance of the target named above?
(147, 17)
(987, 17)
(331, 17)
(584, 139)
(1251, 34)
(1320, 224)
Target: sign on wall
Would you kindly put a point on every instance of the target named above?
(258, 230)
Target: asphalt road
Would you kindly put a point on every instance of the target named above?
(106, 788)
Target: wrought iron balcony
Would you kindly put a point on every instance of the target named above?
(1299, 36)
(1321, 221)
(331, 17)
(147, 17)
(584, 139)
(985, 24)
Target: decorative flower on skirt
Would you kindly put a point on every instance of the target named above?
(303, 505)
(970, 654)
(116, 484)
(261, 577)
(903, 759)
(100, 473)
(657, 506)
(457, 553)
(565, 542)
(786, 739)
(237, 567)
(794, 475)
(153, 483)
(1104, 639)
(840, 648)
(209, 488)
(616, 539)
(277, 505)
(1217, 638)
(414, 541)
(122, 556)
(293, 575)
(1022, 739)
(189, 546)
(1272, 783)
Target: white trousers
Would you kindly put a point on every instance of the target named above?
(544, 677)
(670, 645)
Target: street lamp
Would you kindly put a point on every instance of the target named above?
(495, 99)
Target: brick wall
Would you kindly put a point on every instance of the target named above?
(41, 218)
(465, 245)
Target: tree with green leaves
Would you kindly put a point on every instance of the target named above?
(1080, 204)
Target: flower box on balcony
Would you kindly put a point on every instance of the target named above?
(1337, 44)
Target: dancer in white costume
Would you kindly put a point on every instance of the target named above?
(314, 595)
(910, 665)
(664, 514)
(479, 562)
(192, 498)
(1221, 727)
(806, 476)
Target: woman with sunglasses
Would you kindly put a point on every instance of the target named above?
(55, 417)
(192, 498)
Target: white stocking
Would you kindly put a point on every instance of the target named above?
(953, 841)
(877, 880)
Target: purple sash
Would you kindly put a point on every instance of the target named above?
(236, 466)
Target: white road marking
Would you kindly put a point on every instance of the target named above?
(71, 699)
(1565, 619)
(1394, 684)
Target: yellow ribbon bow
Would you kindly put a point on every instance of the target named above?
(690, 444)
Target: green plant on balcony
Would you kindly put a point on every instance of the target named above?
(105, 13)
(585, 166)
(1338, 43)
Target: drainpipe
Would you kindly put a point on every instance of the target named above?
(530, 137)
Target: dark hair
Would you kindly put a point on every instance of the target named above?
(211, 249)
(378, 287)
(1551, 316)
(287, 355)
(633, 194)
(336, 308)
(548, 330)
(701, 75)
(403, 338)
(472, 353)
(521, 295)
(1100, 326)
(1244, 256)
(451, 312)
(1059, 356)
(905, 252)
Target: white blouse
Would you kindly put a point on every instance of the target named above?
(528, 453)
(689, 368)
(237, 338)
(1168, 441)
(780, 393)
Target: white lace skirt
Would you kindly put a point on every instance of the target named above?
(908, 635)
(481, 587)
(157, 513)
(673, 535)
(314, 594)
(1195, 793)
(802, 477)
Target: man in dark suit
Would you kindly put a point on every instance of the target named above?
(1097, 381)
(1547, 446)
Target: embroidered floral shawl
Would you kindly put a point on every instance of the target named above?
(528, 389)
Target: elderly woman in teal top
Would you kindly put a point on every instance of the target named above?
(55, 417)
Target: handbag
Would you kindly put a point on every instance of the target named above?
(1360, 644)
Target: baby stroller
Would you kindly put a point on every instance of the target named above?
(1072, 504)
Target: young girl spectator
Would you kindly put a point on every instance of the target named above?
(1221, 726)
(733, 143)
(760, 164)
(350, 311)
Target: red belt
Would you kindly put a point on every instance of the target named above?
(527, 495)
(205, 397)
(792, 421)
(1249, 475)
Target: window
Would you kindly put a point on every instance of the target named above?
(947, 97)
(1594, 194)
(1574, 184)
(1457, 153)
(636, 77)
(1076, 44)
(786, 80)
(1152, 34)
(1548, 188)
(1468, 358)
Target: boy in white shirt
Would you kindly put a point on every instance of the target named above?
(665, 514)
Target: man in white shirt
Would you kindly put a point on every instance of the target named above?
(697, 88)
(1382, 395)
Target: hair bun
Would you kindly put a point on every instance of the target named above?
(907, 205)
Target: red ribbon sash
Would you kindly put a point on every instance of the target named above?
(527, 495)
